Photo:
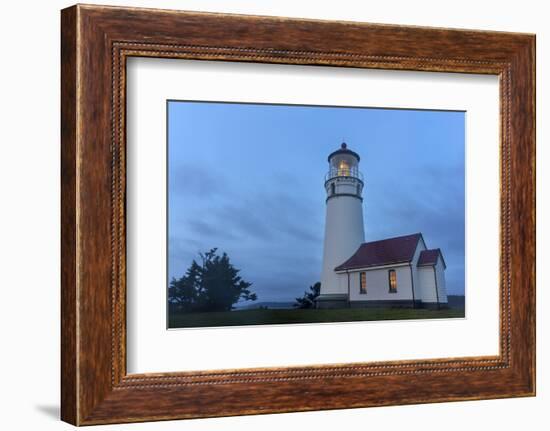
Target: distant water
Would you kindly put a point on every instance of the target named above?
(273, 305)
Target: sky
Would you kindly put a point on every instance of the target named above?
(248, 179)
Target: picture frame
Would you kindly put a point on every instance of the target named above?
(96, 42)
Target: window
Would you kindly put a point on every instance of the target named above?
(332, 189)
(358, 189)
(363, 282)
(343, 169)
(392, 276)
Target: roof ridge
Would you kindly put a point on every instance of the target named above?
(394, 237)
(382, 252)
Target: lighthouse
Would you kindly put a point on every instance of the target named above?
(390, 272)
(344, 230)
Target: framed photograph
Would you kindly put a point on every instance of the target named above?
(265, 214)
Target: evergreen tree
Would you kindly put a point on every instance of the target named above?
(185, 291)
(308, 300)
(214, 286)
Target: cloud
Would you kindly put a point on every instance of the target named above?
(274, 237)
(194, 181)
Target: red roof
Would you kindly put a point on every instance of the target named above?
(429, 257)
(384, 252)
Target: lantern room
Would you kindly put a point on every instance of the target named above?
(343, 163)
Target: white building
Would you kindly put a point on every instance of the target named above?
(399, 271)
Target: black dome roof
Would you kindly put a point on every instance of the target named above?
(343, 150)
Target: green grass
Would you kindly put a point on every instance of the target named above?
(280, 316)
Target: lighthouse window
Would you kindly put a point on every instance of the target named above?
(332, 189)
(358, 189)
(363, 282)
(343, 169)
(393, 280)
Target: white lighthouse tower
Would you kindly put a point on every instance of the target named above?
(344, 230)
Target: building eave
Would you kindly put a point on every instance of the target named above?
(372, 268)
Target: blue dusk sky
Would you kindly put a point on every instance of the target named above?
(248, 179)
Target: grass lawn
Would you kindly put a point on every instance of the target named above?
(279, 316)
